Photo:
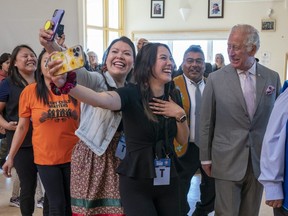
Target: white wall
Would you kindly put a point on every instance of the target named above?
(274, 43)
(21, 20)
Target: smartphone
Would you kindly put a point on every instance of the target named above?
(60, 30)
(73, 58)
(55, 22)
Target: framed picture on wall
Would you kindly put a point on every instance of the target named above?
(215, 8)
(268, 25)
(157, 8)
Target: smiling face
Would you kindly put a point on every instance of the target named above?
(162, 70)
(120, 60)
(26, 61)
(241, 55)
(193, 66)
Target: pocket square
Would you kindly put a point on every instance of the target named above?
(270, 89)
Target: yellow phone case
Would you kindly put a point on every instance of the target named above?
(73, 58)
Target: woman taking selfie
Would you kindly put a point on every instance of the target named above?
(94, 181)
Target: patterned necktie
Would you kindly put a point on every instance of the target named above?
(197, 110)
(249, 92)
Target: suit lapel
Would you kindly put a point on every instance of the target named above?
(260, 84)
(235, 86)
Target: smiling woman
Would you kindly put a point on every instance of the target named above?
(22, 70)
(94, 182)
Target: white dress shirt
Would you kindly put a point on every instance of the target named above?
(191, 91)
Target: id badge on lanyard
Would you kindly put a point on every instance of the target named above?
(162, 169)
(121, 148)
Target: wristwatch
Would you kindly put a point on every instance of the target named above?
(182, 118)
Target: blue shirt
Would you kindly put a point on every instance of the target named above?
(272, 162)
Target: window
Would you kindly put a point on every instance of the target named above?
(211, 42)
(209, 47)
(104, 23)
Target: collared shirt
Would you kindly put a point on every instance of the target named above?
(192, 90)
(252, 74)
(272, 161)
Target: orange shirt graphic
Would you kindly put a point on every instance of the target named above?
(54, 126)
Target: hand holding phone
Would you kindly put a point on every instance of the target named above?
(54, 23)
(73, 58)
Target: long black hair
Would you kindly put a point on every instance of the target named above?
(42, 91)
(13, 71)
(143, 71)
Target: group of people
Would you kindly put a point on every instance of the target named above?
(131, 148)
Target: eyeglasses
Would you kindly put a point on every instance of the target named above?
(198, 61)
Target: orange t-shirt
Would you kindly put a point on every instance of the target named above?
(54, 125)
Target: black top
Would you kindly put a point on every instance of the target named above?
(10, 94)
(141, 136)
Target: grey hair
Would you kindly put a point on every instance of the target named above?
(252, 35)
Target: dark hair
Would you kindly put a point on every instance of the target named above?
(195, 49)
(145, 61)
(42, 92)
(123, 39)
(13, 72)
(3, 58)
(107, 51)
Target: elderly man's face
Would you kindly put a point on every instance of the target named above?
(240, 56)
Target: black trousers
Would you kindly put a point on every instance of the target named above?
(140, 198)
(280, 212)
(191, 163)
(4, 148)
(27, 172)
(56, 182)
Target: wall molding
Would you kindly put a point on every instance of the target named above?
(181, 35)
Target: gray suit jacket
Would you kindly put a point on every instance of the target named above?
(227, 134)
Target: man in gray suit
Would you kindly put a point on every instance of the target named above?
(236, 105)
